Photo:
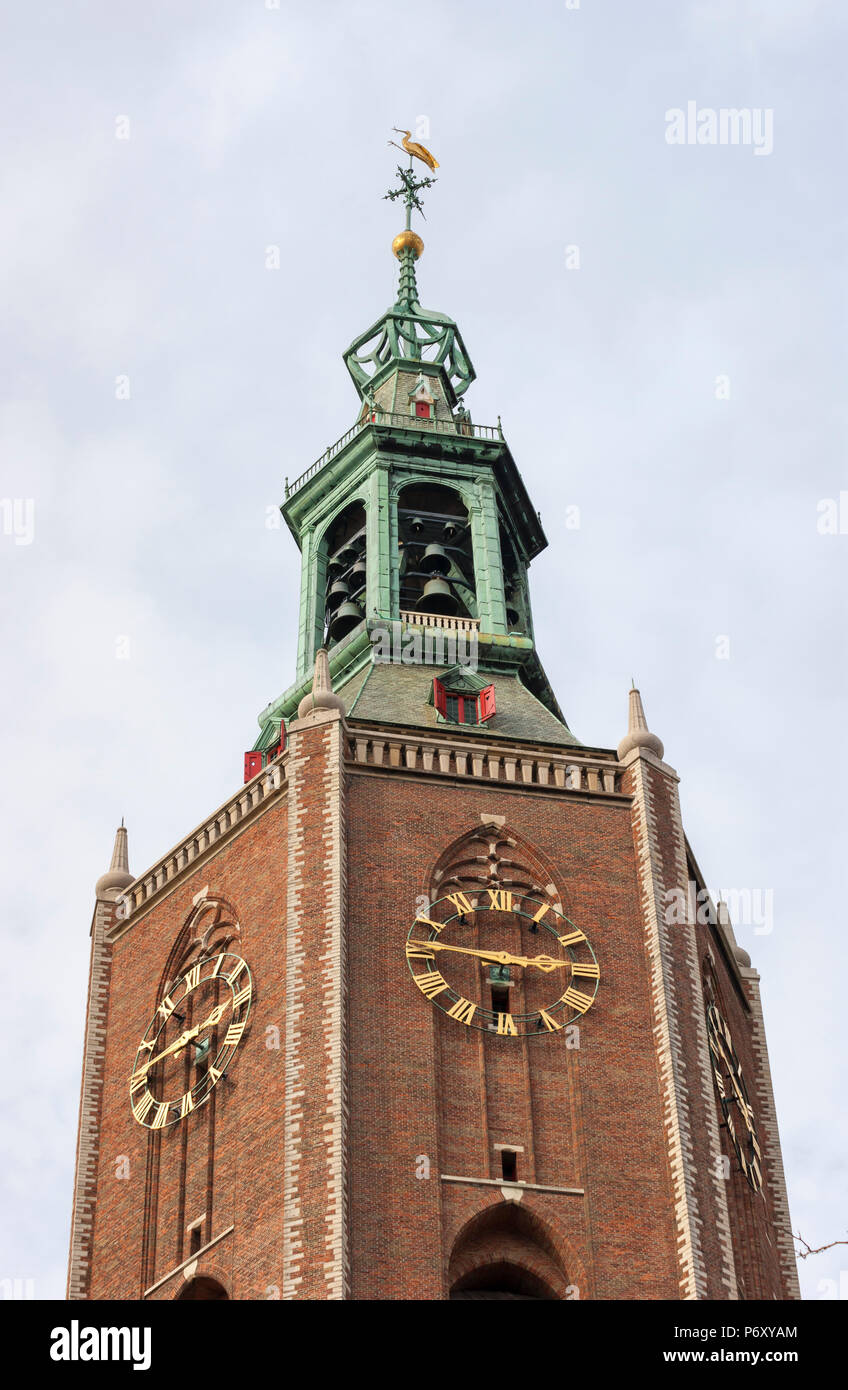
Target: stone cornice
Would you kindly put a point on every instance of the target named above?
(224, 824)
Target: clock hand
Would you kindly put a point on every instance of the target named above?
(182, 1041)
(175, 1046)
(546, 963)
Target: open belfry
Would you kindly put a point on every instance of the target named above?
(435, 1005)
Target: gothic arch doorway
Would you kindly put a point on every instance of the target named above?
(203, 1287)
(501, 1281)
(507, 1252)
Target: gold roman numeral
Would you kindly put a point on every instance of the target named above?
(461, 903)
(219, 961)
(138, 1080)
(428, 922)
(235, 972)
(186, 1105)
(431, 983)
(214, 1075)
(550, 1023)
(571, 938)
(576, 1000)
(233, 1035)
(241, 997)
(166, 1008)
(141, 1110)
(192, 979)
(546, 907)
(506, 1027)
(161, 1116)
(463, 1011)
(500, 900)
(417, 950)
(590, 972)
(148, 1045)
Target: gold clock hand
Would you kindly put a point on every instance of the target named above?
(546, 963)
(175, 1046)
(182, 1041)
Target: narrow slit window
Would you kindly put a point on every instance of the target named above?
(509, 1165)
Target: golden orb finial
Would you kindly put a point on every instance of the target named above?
(408, 238)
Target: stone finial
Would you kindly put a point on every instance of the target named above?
(322, 695)
(638, 734)
(118, 874)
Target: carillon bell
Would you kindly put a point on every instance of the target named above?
(337, 593)
(438, 597)
(416, 525)
(347, 554)
(347, 617)
(435, 560)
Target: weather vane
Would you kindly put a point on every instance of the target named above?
(409, 185)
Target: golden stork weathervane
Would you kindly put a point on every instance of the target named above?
(413, 148)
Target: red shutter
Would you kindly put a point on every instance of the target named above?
(486, 703)
(422, 409)
(280, 747)
(440, 696)
(252, 765)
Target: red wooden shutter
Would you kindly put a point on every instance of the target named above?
(486, 703)
(440, 697)
(252, 765)
(422, 409)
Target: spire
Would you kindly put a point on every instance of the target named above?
(322, 695)
(407, 333)
(638, 734)
(118, 874)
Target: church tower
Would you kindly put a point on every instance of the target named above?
(436, 1004)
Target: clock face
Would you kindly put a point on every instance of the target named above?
(191, 1040)
(737, 1111)
(503, 962)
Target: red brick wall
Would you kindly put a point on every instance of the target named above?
(250, 872)
(586, 1118)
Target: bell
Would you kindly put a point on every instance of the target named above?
(416, 525)
(435, 561)
(356, 578)
(438, 597)
(450, 529)
(337, 593)
(334, 568)
(347, 617)
(346, 555)
(512, 617)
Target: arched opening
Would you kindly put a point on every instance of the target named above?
(507, 1252)
(203, 1287)
(436, 559)
(501, 1281)
(346, 573)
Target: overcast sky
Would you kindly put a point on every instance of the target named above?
(683, 388)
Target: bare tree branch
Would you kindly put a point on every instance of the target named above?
(802, 1254)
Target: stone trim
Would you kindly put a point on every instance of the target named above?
(774, 1169)
(674, 1091)
(302, 982)
(521, 766)
(191, 1260)
(223, 825)
(91, 1097)
(523, 1186)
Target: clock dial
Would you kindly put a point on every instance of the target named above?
(503, 962)
(191, 1040)
(737, 1111)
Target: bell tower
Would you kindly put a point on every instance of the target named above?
(423, 1009)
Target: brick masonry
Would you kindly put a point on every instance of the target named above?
(354, 1149)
